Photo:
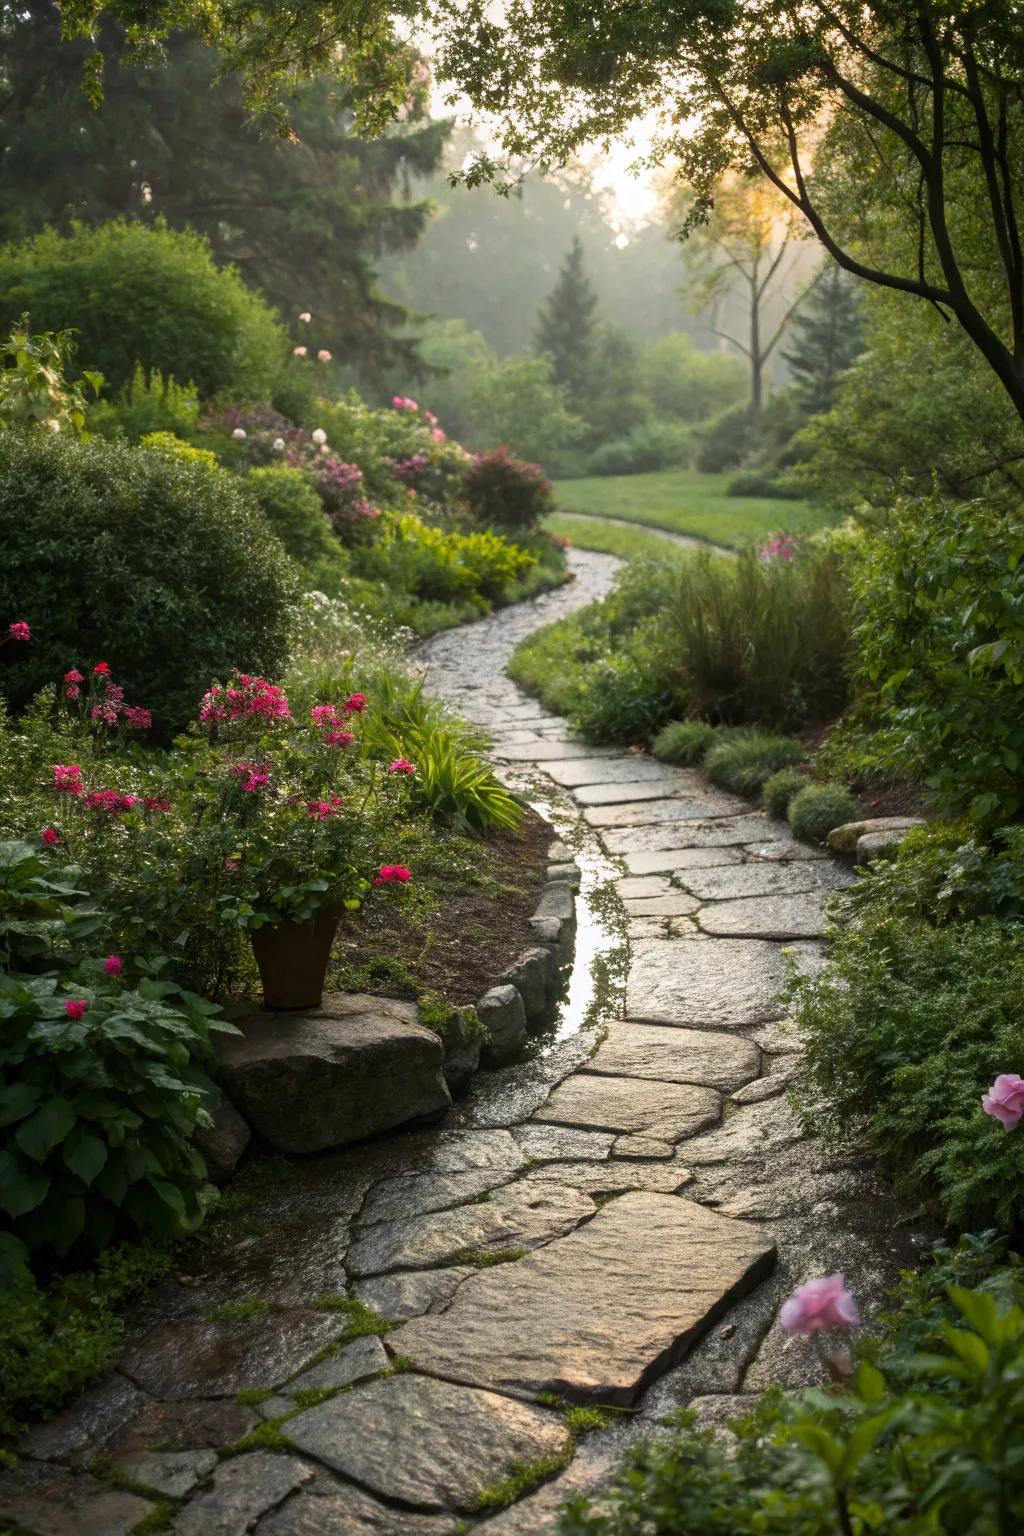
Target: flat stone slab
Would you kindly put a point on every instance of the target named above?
(574, 772)
(709, 983)
(765, 917)
(426, 1443)
(189, 1358)
(844, 839)
(764, 879)
(51, 1501)
(411, 1292)
(355, 1066)
(601, 1313)
(707, 1057)
(728, 831)
(552, 1143)
(618, 794)
(658, 861)
(244, 1488)
(782, 852)
(630, 1106)
(416, 1194)
(698, 807)
(520, 1216)
(325, 1507)
(634, 886)
(672, 904)
(173, 1473)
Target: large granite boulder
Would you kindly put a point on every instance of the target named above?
(463, 1037)
(354, 1066)
(844, 839)
(222, 1142)
(503, 1017)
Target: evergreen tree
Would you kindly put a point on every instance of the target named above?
(304, 217)
(827, 336)
(567, 328)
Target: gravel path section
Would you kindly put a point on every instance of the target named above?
(617, 1220)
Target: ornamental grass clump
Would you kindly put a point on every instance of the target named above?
(742, 761)
(780, 789)
(817, 808)
(683, 741)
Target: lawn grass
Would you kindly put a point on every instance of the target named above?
(609, 538)
(686, 501)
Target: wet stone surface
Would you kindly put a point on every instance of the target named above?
(617, 1210)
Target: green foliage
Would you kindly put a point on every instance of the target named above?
(650, 446)
(146, 404)
(938, 649)
(34, 392)
(922, 1440)
(145, 295)
(780, 789)
(683, 741)
(295, 513)
(743, 761)
(817, 808)
(505, 492)
(57, 1338)
(906, 1027)
(685, 384)
(566, 325)
(759, 639)
(161, 567)
(725, 441)
(826, 337)
(166, 442)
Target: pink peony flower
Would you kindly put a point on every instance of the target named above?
(67, 779)
(19, 630)
(299, 351)
(322, 714)
(323, 356)
(51, 837)
(403, 403)
(439, 436)
(392, 874)
(355, 703)
(401, 765)
(305, 317)
(75, 1007)
(1005, 1100)
(818, 1304)
(113, 965)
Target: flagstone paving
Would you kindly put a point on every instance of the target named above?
(616, 1219)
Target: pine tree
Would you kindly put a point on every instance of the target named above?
(827, 336)
(567, 328)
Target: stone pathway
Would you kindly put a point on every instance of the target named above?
(615, 1221)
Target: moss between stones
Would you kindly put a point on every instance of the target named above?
(522, 1477)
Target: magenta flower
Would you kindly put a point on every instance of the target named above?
(322, 714)
(401, 765)
(818, 1304)
(355, 703)
(782, 546)
(249, 698)
(101, 669)
(19, 630)
(1005, 1100)
(392, 874)
(51, 837)
(320, 810)
(155, 803)
(339, 739)
(75, 1007)
(111, 801)
(113, 965)
(136, 719)
(74, 676)
(67, 779)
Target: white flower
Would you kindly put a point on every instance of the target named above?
(324, 448)
(305, 317)
(319, 436)
(299, 351)
(238, 434)
(323, 356)
(279, 445)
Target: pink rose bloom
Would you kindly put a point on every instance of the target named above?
(75, 1007)
(67, 779)
(19, 630)
(113, 965)
(323, 356)
(305, 317)
(439, 436)
(818, 1304)
(51, 837)
(401, 765)
(392, 874)
(1005, 1100)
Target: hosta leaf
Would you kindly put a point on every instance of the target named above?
(42, 1131)
(22, 1187)
(84, 1153)
(16, 1101)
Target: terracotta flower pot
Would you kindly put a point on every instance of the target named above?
(292, 960)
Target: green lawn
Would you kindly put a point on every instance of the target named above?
(595, 533)
(685, 501)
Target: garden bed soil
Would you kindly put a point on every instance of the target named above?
(463, 943)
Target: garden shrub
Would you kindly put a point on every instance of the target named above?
(35, 393)
(627, 695)
(938, 652)
(652, 445)
(295, 513)
(924, 1439)
(683, 741)
(780, 789)
(763, 484)
(761, 638)
(144, 294)
(166, 442)
(817, 808)
(433, 564)
(506, 492)
(147, 403)
(743, 761)
(725, 440)
(162, 568)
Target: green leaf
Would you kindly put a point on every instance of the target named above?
(22, 1188)
(869, 1383)
(84, 1153)
(979, 1308)
(16, 1101)
(41, 1132)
